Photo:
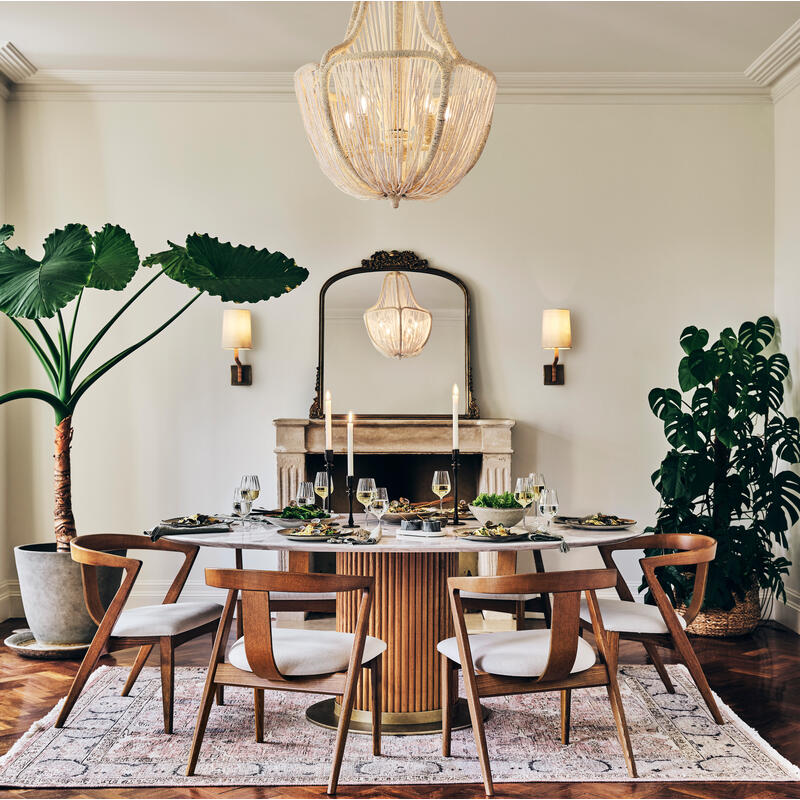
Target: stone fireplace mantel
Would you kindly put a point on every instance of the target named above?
(491, 438)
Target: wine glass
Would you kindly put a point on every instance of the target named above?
(365, 491)
(440, 485)
(250, 488)
(379, 503)
(537, 484)
(321, 487)
(305, 494)
(523, 494)
(241, 505)
(548, 504)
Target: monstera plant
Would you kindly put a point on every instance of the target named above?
(727, 471)
(75, 260)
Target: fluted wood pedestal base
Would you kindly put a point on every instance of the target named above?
(411, 614)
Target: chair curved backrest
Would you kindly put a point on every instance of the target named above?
(91, 551)
(255, 586)
(565, 588)
(688, 549)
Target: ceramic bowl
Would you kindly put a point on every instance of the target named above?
(507, 517)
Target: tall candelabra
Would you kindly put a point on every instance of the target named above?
(351, 482)
(329, 472)
(455, 465)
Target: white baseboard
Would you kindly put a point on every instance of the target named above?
(788, 613)
(10, 600)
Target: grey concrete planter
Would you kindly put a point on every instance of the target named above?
(52, 594)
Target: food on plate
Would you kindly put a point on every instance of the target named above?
(605, 520)
(195, 520)
(490, 530)
(313, 529)
(505, 500)
(301, 512)
(401, 506)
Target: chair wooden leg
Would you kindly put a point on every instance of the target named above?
(520, 615)
(141, 658)
(689, 657)
(476, 716)
(615, 698)
(94, 652)
(258, 703)
(167, 680)
(538, 562)
(200, 726)
(658, 663)
(566, 713)
(376, 683)
(348, 698)
(447, 704)
(220, 695)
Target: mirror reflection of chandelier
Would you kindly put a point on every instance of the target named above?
(395, 110)
(397, 325)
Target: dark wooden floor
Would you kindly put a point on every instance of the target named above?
(757, 676)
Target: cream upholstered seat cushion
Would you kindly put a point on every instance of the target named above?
(520, 654)
(627, 616)
(302, 596)
(309, 652)
(167, 619)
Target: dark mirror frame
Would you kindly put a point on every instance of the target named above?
(388, 261)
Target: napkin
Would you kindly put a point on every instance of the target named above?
(178, 530)
(541, 536)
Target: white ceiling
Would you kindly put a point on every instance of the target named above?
(504, 36)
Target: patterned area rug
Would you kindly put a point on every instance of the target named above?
(118, 741)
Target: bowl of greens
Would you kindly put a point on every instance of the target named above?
(295, 516)
(497, 509)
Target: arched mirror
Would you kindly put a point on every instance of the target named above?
(394, 336)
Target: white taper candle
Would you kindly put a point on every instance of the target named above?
(455, 416)
(350, 443)
(328, 433)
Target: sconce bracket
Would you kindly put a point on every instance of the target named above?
(553, 380)
(241, 375)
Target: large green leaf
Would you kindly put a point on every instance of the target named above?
(116, 259)
(664, 403)
(755, 336)
(693, 339)
(697, 369)
(36, 289)
(783, 434)
(236, 274)
(6, 232)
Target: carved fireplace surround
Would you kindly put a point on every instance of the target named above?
(490, 438)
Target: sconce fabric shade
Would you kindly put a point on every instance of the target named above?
(556, 329)
(236, 331)
(397, 325)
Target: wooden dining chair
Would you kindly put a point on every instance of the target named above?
(519, 662)
(660, 625)
(289, 659)
(167, 625)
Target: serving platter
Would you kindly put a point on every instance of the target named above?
(280, 522)
(624, 525)
(512, 537)
(316, 537)
(181, 522)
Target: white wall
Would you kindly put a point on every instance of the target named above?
(640, 218)
(787, 291)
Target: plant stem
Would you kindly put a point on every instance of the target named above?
(81, 360)
(51, 345)
(59, 406)
(74, 320)
(64, 382)
(49, 367)
(64, 519)
(112, 362)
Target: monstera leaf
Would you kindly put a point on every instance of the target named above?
(236, 274)
(36, 289)
(755, 336)
(693, 339)
(116, 259)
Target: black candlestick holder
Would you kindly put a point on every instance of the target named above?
(329, 472)
(351, 483)
(455, 464)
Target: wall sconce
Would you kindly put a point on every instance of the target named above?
(556, 334)
(237, 335)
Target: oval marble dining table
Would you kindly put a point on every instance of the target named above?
(410, 610)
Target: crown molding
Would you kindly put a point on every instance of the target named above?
(779, 57)
(513, 87)
(786, 83)
(13, 65)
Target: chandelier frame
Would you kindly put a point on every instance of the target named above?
(446, 56)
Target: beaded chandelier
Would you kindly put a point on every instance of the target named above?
(395, 110)
(397, 324)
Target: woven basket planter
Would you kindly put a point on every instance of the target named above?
(739, 621)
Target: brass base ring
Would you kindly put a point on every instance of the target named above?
(412, 723)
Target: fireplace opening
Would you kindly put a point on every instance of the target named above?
(406, 475)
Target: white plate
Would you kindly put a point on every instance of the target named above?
(279, 522)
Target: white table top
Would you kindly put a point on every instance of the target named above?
(258, 536)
